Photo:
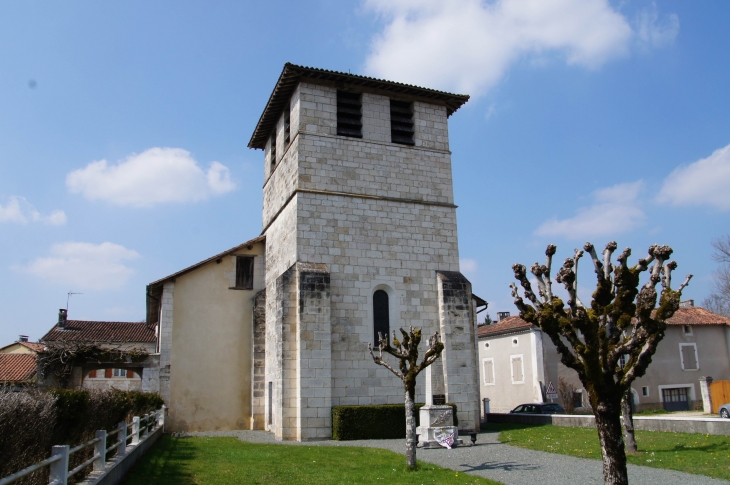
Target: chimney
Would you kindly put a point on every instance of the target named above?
(502, 315)
(23, 338)
(62, 313)
(686, 304)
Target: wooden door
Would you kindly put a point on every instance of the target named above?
(720, 393)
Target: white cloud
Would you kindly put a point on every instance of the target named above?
(468, 265)
(84, 265)
(20, 211)
(614, 211)
(704, 182)
(155, 176)
(655, 32)
(467, 45)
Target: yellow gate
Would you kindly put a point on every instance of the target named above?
(720, 392)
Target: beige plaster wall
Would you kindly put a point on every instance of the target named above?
(211, 356)
(16, 348)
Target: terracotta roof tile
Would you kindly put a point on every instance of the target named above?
(695, 315)
(87, 331)
(17, 367)
(34, 346)
(509, 324)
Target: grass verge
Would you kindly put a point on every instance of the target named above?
(204, 461)
(692, 453)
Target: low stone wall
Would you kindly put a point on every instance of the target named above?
(715, 426)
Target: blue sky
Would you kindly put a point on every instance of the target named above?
(123, 132)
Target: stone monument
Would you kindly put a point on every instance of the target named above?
(437, 419)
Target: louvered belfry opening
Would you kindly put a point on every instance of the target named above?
(273, 149)
(349, 114)
(287, 125)
(401, 122)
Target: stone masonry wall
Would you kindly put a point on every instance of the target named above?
(258, 392)
(166, 339)
(461, 374)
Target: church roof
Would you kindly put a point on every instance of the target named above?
(209, 260)
(292, 75)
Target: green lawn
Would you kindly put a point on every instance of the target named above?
(188, 461)
(692, 453)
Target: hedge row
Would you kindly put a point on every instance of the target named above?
(373, 422)
(31, 422)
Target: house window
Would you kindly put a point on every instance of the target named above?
(688, 356)
(518, 371)
(687, 329)
(644, 391)
(244, 273)
(381, 315)
(578, 399)
(401, 122)
(515, 342)
(349, 114)
(488, 368)
(623, 360)
(119, 372)
(272, 149)
(287, 124)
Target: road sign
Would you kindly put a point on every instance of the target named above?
(551, 394)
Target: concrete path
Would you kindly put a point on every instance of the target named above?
(507, 464)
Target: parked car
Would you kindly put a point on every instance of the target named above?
(534, 408)
(725, 411)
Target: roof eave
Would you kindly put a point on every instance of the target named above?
(292, 75)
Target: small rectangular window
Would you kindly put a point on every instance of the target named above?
(272, 150)
(287, 124)
(518, 374)
(578, 399)
(401, 122)
(244, 273)
(349, 114)
(688, 355)
(687, 330)
(623, 360)
(488, 372)
(119, 373)
(644, 391)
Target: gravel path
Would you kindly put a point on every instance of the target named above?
(507, 464)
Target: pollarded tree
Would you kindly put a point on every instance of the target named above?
(623, 320)
(407, 354)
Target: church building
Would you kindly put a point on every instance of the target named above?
(359, 237)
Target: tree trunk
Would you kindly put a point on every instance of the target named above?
(608, 423)
(411, 439)
(628, 416)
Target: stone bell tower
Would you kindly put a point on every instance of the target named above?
(360, 228)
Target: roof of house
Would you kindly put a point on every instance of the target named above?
(683, 316)
(250, 242)
(88, 331)
(17, 367)
(506, 325)
(292, 75)
(694, 315)
(34, 346)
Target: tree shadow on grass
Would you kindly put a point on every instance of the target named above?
(164, 464)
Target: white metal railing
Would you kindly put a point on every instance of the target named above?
(59, 459)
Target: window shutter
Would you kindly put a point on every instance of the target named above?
(130, 373)
(349, 114)
(689, 357)
(108, 373)
(517, 370)
(401, 122)
(92, 374)
(489, 372)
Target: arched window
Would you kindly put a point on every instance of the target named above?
(381, 315)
